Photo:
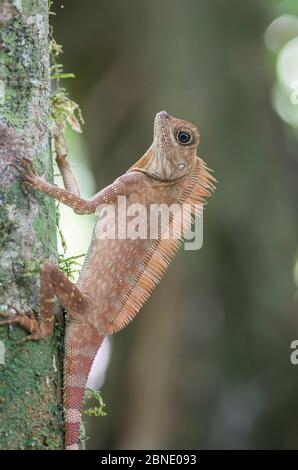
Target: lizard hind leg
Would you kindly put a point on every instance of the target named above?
(53, 283)
(37, 328)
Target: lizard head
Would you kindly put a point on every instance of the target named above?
(172, 154)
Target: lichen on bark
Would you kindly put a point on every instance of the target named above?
(30, 378)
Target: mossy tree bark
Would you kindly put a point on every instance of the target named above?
(30, 373)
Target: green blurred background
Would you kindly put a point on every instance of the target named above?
(206, 364)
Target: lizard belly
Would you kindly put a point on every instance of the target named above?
(115, 264)
(114, 258)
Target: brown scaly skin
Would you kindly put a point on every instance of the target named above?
(118, 275)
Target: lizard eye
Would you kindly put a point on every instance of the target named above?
(184, 137)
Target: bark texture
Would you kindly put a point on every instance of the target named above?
(30, 373)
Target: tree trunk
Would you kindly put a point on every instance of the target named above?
(30, 373)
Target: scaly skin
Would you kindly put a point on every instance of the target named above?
(118, 275)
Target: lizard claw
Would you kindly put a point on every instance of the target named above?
(23, 340)
(14, 320)
(27, 167)
(24, 319)
(4, 315)
(28, 173)
(14, 166)
(28, 322)
(9, 319)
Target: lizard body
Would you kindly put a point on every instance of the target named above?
(118, 274)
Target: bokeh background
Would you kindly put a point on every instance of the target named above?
(206, 364)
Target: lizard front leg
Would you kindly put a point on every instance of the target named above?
(32, 179)
(53, 283)
(76, 202)
(69, 180)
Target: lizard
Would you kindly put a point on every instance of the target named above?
(118, 275)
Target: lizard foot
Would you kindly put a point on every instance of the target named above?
(27, 321)
(28, 173)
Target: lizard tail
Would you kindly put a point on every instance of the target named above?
(82, 342)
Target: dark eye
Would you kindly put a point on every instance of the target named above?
(184, 137)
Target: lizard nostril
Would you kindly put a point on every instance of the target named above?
(163, 114)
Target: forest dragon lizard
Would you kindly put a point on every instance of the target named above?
(118, 274)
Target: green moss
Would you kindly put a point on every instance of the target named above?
(98, 409)
(44, 225)
(33, 7)
(7, 226)
(32, 377)
(19, 59)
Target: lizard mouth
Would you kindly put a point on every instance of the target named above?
(159, 144)
(162, 134)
